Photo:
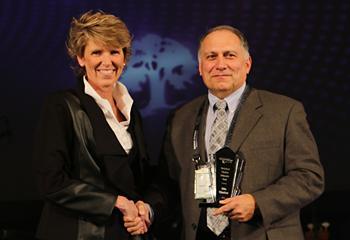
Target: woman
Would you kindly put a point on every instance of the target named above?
(90, 154)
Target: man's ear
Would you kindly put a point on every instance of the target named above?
(249, 63)
(199, 68)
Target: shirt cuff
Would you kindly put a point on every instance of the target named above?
(151, 213)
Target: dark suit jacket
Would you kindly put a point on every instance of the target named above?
(71, 200)
(282, 171)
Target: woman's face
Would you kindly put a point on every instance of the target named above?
(103, 65)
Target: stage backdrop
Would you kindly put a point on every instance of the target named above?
(299, 48)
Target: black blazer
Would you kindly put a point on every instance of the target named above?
(69, 199)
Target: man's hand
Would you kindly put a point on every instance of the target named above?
(132, 221)
(144, 213)
(239, 208)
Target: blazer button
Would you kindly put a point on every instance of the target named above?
(194, 226)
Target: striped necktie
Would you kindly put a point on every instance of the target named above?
(216, 141)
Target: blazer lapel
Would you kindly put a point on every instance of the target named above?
(248, 117)
(111, 156)
(136, 132)
(106, 142)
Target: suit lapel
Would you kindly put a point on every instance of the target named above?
(248, 117)
(189, 170)
(202, 127)
(188, 138)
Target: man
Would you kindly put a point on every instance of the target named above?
(282, 170)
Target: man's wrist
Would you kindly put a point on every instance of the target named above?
(151, 213)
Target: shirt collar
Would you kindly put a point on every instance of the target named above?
(120, 95)
(232, 99)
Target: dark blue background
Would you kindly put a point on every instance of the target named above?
(299, 48)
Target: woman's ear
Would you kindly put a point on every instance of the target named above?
(81, 61)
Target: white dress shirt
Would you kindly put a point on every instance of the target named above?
(124, 103)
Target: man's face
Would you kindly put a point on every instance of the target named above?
(223, 63)
(103, 65)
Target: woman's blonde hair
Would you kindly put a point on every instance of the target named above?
(101, 27)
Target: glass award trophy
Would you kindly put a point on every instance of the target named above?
(229, 168)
